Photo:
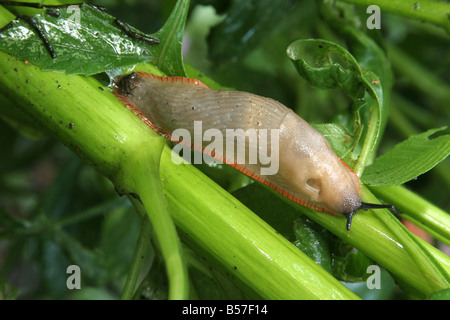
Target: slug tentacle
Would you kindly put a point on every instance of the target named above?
(366, 206)
(307, 170)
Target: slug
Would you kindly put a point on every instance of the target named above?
(309, 172)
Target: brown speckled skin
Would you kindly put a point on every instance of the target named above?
(309, 173)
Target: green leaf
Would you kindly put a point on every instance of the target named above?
(376, 76)
(313, 241)
(86, 40)
(349, 264)
(326, 65)
(169, 54)
(440, 295)
(340, 140)
(408, 159)
(331, 253)
(117, 237)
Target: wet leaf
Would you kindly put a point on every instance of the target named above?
(349, 264)
(169, 54)
(86, 41)
(313, 241)
(326, 65)
(340, 140)
(408, 159)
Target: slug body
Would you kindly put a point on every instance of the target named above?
(309, 172)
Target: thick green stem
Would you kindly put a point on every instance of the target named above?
(373, 230)
(247, 248)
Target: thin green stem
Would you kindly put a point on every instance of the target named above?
(140, 251)
(438, 277)
(377, 226)
(143, 177)
(90, 213)
(370, 140)
(435, 12)
(398, 119)
(418, 210)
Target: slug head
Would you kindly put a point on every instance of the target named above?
(126, 84)
(315, 174)
(312, 170)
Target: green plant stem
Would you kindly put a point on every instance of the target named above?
(418, 210)
(140, 251)
(429, 266)
(367, 151)
(142, 175)
(246, 248)
(435, 12)
(370, 233)
(399, 120)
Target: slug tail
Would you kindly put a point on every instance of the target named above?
(124, 85)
